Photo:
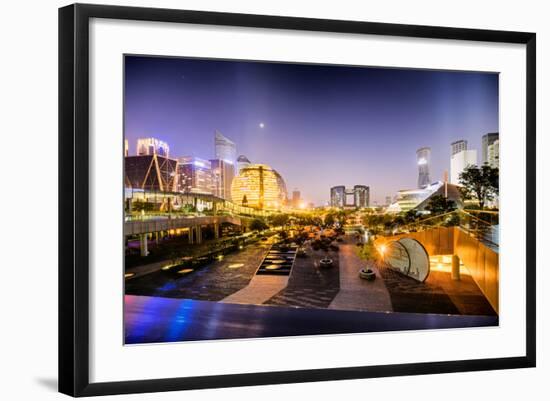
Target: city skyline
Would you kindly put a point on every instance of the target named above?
(345, 124)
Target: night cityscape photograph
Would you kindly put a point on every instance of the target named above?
(269, 199)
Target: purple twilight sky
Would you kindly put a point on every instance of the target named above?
(322, 125)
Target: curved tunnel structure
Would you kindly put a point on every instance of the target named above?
(409, 257)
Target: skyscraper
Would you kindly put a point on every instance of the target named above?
(194, 175)
(486, 141)
(458, 146)
(126, 148)
(223, 173)
(493, 154)
(338, 196)
(296, 199)
(361, 196)
(461, 160)
(225, 148)
(423, 157)
(152, 146)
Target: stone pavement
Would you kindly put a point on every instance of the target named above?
(310, 286)
(356, 293)
(260, 289)
(233, 280)
(212, 282)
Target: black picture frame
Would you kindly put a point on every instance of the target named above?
(74, 199)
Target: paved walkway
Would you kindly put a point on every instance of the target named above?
(310, 286)
(356, 293)
(259, 290)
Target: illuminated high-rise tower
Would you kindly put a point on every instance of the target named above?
(223, 166)
(423, 157)
(225, 148)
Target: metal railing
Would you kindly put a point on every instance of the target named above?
(482, 225)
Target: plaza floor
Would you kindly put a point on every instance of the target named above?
(232, 280)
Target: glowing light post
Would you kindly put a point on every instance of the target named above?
(382, 250)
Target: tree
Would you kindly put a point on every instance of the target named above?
(279, 220)
(410, 216)
(479, 183)
(369, 252)
(257, 225)
(330, 219)
(439, 205)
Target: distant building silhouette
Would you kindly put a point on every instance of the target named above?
(423, 159)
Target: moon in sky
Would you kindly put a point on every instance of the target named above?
(262, 125)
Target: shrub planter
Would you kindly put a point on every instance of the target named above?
(367, 274)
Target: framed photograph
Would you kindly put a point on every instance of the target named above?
(251, 199)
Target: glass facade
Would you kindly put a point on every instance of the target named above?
(150, 172)
(225, 148)
(195, 175)
(223, 174)
(418, 199)
(259, 186)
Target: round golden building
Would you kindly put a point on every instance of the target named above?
(259, 186)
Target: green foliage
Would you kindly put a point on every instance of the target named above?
(479, 183)
(368, 251)
(410, 216)
(335, 217)
(439, 205)
(330, 219)
(138, 206)
(452, 220)
(258, 225)
(278, 220)
(188, 208)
